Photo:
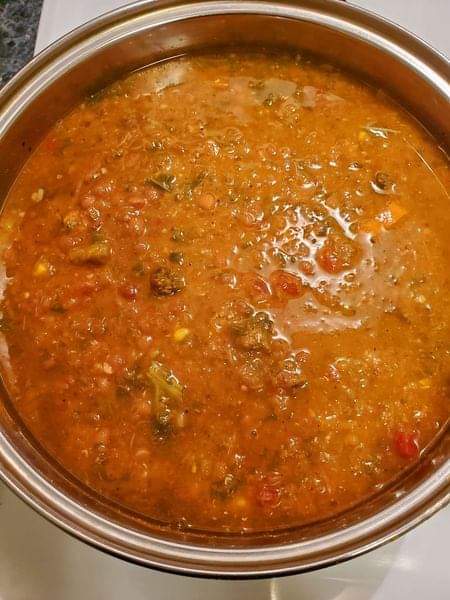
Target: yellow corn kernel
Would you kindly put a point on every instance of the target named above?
(363, 136)
(240, 502)
(42, 268)
(180, 334)
(38, 195)
(425, 384)
(71, 219)
(8, 224)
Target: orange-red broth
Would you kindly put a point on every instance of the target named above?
(228, 296)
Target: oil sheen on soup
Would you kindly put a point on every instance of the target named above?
(227, 299)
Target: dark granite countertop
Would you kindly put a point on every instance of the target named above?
(19, 20)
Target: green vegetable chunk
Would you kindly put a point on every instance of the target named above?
(164, 382)
(164, 181)
(176, 257)
(167, 397)
(165, 282)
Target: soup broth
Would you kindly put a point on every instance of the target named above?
(227, 301)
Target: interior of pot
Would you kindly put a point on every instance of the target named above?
(137, 37)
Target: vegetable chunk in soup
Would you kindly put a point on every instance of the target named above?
(228, 296)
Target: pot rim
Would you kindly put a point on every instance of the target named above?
(202, 560)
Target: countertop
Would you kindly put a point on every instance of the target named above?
(19, 20)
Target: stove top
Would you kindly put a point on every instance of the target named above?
(40, 562)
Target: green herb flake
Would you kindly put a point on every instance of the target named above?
(163, 181)
(198, 179)
(164, 382)
(57, 308)
(139, 269)
(178, 235)
(176, 257)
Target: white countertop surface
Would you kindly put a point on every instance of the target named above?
(39, 562)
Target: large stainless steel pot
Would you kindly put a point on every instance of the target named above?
(130, 38)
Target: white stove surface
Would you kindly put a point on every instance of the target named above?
(40, 562)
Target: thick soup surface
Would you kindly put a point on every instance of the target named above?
(227, 300)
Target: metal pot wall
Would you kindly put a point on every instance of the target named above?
(130, 38)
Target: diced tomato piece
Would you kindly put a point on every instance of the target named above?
(268, 496)
(256, 287)
(286, 284)
(406, 444)
(329, 259)
(306, 267)
(129, 292)
(50, 144)
(88, 288)
(337, 254)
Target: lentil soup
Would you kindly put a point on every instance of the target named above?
(227, 295)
